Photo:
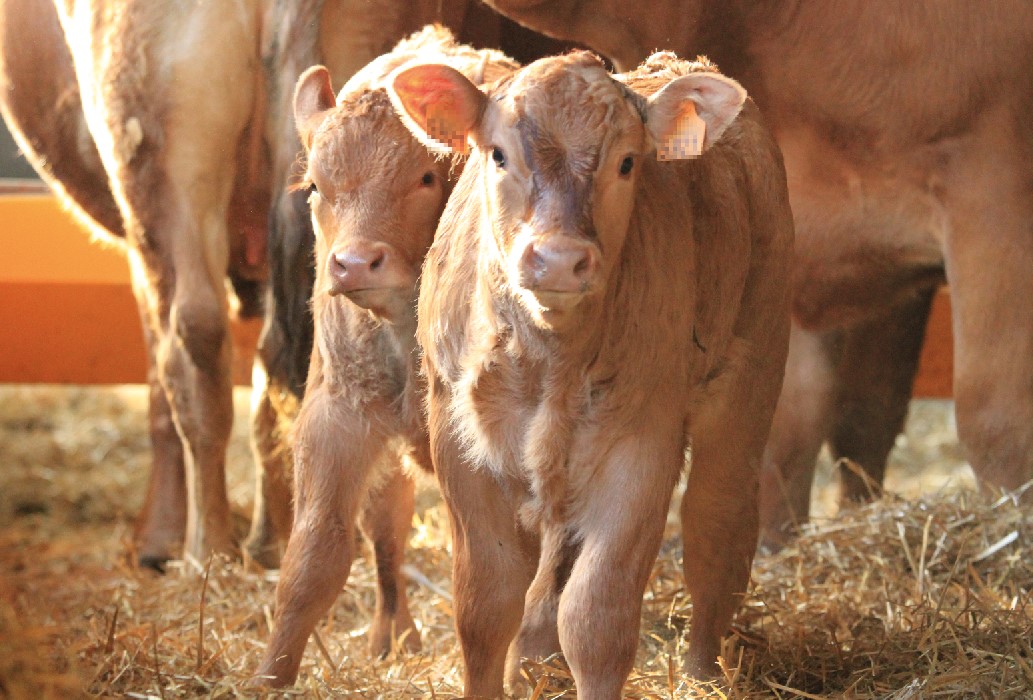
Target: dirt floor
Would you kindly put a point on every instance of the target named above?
(924, 594)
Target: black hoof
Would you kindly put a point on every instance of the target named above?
(154, 563)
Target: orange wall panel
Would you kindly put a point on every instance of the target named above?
(67, 313)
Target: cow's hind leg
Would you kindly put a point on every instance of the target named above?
(876, 371)
(284, 351)
(386, 521)
(271, 521)
(161, 522)
(178, 186)
(990, 271)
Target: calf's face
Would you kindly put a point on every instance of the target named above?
(376, 196)
(559, 149)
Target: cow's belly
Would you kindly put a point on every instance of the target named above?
(868, 232)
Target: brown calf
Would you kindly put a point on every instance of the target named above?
(908, 151)
(586, 312)
(376, 197)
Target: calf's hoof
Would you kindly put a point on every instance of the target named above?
(385, 637)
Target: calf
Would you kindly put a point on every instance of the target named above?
(376, 195)
(587, 312)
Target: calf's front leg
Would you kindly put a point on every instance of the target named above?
(335, 450)
(491, 562)
(620, 521)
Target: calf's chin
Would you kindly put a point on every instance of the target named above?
(393, 304)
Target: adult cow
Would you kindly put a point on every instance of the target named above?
(583, 311)
(908, 147)
(166, 127)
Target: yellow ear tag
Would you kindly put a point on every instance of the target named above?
(686, 138)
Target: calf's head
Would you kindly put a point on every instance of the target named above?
(376, 196)
(561, 149)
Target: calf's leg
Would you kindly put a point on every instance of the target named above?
(799, 428)
(719, 511)
(335, 450)
(386, 521)
(538, 637)
(491, 567)
(620, 520)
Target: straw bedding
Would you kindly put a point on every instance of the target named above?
(922, 597)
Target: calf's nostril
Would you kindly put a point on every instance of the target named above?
(337, 263)
(581, 266)
(377, 262)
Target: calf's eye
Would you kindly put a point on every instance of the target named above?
(626, 165)
(498, 156)
(428, 179)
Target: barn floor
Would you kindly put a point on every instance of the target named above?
(923, 594)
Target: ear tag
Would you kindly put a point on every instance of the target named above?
(686, 138)
(440, 123)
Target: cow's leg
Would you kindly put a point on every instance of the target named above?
(875, 375)
(989, 265)
(491, 567)
(271, 520)
(193, 357)
(166, 110)
(801, 424)
(172, 166)
(620, 517)
(386, 521)
(162, 520)
(335, 450)
(180, 203)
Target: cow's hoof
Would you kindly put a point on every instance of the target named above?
(259, 556)
(153, 562)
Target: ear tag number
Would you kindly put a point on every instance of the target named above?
(686, 139)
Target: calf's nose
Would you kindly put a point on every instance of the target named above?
(358, 266)
(558, 264)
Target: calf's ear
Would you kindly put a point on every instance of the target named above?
(438, 104)
(313, 97)
(689, 114)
